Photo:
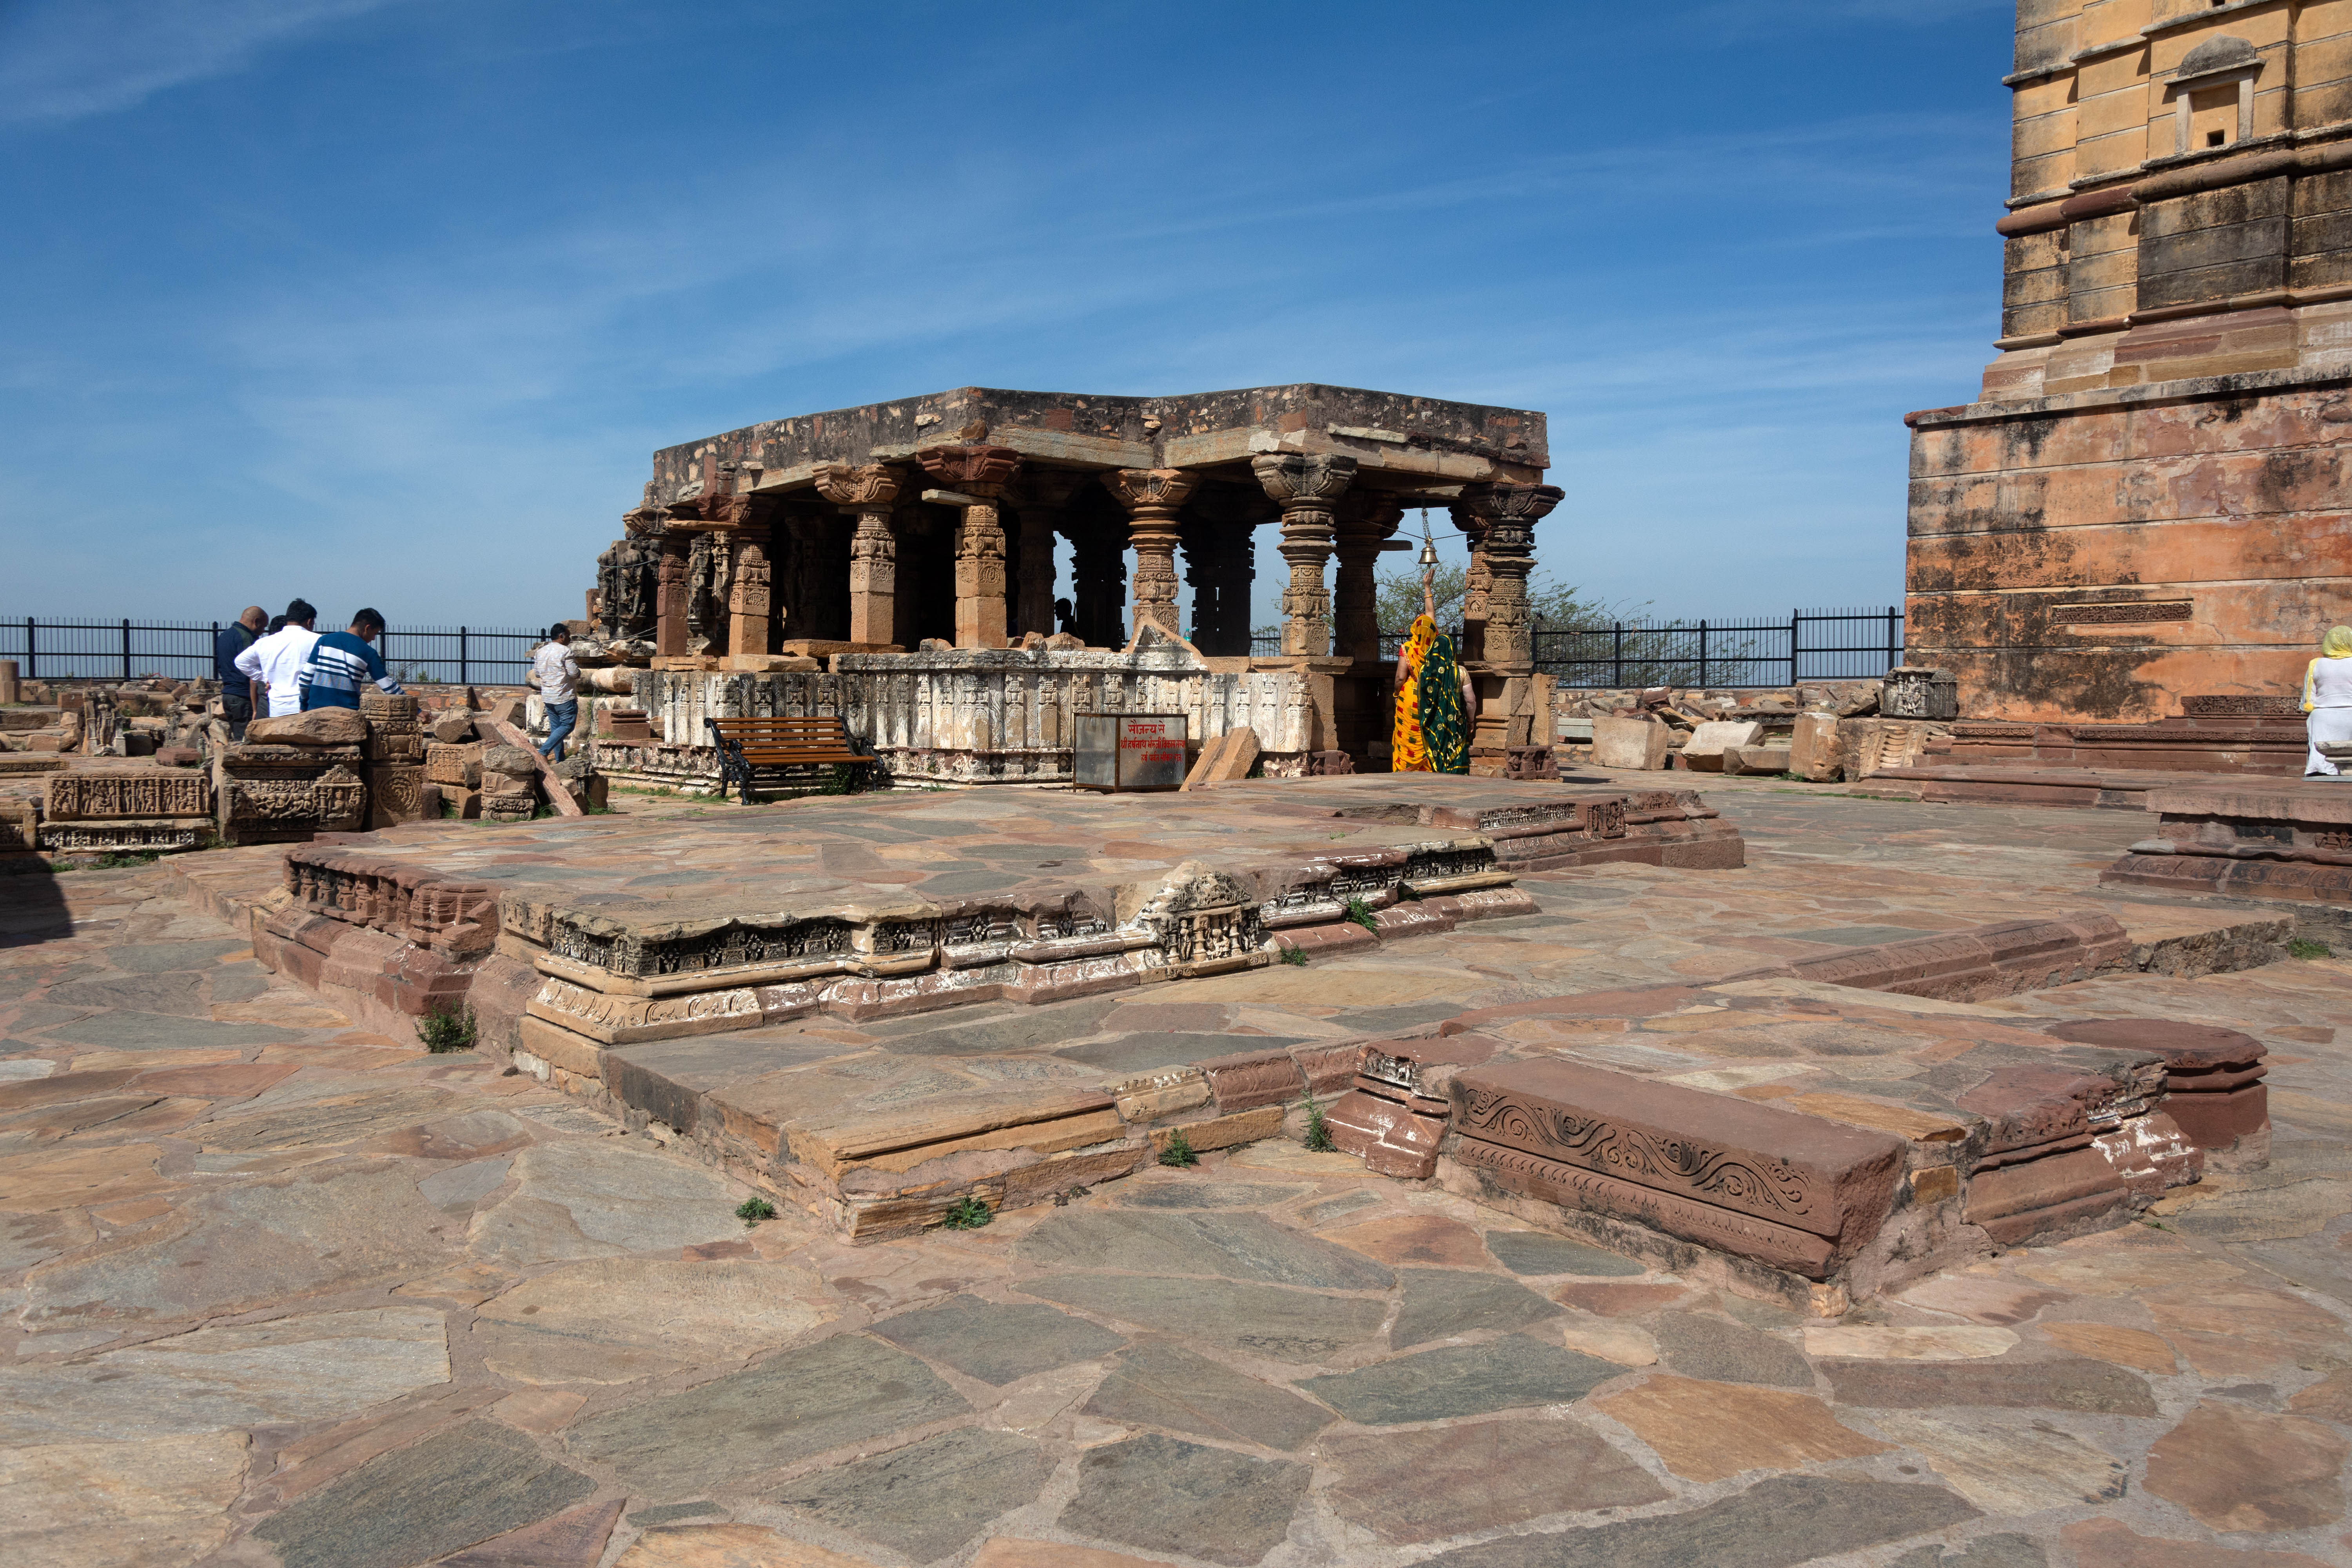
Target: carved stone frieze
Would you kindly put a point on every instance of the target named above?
(148, 793)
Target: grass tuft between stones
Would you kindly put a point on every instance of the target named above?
(1295, 955)
(1179, 1149)
(1318, 1131)
(2299, 948)
(968, 1214)
(1361, 913)
(447, 1029)
(751, 1210)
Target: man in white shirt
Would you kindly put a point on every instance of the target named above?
(558, 675)
(275, 661)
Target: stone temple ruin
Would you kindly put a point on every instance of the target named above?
(895, 564)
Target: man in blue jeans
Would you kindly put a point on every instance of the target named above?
(558, 675)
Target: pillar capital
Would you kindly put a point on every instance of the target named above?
(714, 509)
(1507, 515)
(974, 470)
(871, 487)
(1153, 496)
(1307, 486)
(1303, 478)
(1142, 491)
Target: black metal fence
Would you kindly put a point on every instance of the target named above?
(1808, 645)
(182, 650)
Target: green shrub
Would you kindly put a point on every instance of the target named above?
(1294, 955)
(447, 1029)
(969, 1214)
(751, 1210)
(1361, 913)
(2301, 949)
(1318, 1131)
(1179, 1149)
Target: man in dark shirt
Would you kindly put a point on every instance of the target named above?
(237, 691)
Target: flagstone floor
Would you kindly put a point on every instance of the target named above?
(274, 1289)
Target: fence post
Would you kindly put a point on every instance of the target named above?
(32, 657)
(126, 648)
(1620, 682)
(462, 679)
(1702, 655)
(1894, 638)
(1796, 619)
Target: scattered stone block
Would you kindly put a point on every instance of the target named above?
(1637, 743)
(451, 726)
(1768, 761)
(319, 727)
(396, 793)
(1704, 751)
(2214, 1080)
(1813, 753)
(1916, 691)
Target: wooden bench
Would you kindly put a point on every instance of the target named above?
(751, 748)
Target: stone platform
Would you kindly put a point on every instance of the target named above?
(2030, 783)
(2254, 744)
(2273, 841)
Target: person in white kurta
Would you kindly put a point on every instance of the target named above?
(2327, 698)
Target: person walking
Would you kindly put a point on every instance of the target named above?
(275, 661)
(236, 686)
(558, 674)
(342, 662)
(2328, 700)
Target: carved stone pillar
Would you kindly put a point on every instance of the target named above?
(1220, 562)
(1046, 491)
(976, 477)
(1366, 520)
(1098, 570)
(1477, 584)
(866, 495)
(1306, 487)
(1509, 512)
(1152, 498)
(747, 596)
(670, 595)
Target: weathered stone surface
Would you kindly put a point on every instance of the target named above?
(1722, 1352)
(321, 1367)
(1415, 1238)
(1638, 744)
(1410, 1487)
(251, 1247)
(1712, 1431)
(592, 1200)
(1773, 1524)
(416, 1503)
(1161, 1494)
(1009, 1551)
(2089, 1386)
(118, 1505)
(573, 1538)
(1202, 1194)
(1879, 1342)
(614, 1319)
(1440, 1303)
(997, 1343)
(1237, 1246)
(926, 1500)
(1262, 1320)
(2111, 1544)
(841, 1391)
(2134, 1347)
(1160, 1385)
(1466, 1380)
(2240, 1469)
(1997, 1550)
(1534, 1252)
(728, 1546)
(1812, 1176)
(2007, 1470)
(315, 727)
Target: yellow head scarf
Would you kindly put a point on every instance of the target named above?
(2337, 644)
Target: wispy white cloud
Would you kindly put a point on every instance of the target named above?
(68, 59)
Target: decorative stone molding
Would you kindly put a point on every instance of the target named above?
(1507, 514)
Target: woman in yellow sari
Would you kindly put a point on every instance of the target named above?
(1434, 703)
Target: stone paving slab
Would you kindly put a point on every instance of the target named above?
(1977, 1417)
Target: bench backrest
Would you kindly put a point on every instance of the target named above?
(787, 740)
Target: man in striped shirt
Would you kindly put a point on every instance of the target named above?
(342, 662)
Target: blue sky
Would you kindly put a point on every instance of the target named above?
(391, 300)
